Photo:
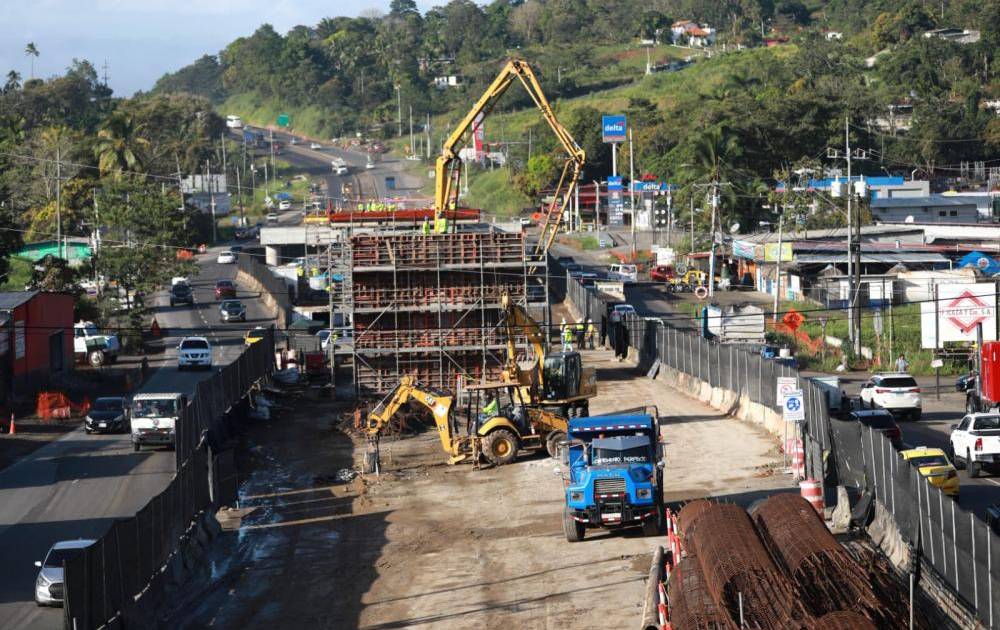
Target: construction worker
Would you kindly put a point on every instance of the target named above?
(491, 408)
(441, 225)
(591, 333)
(579, 331)
(567, 338)
(426, 227)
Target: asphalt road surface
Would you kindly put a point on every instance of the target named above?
(76, 486)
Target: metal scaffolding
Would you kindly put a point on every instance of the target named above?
(427, 305)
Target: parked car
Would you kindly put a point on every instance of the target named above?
(232, 311)
(975, 442)
(226, 258)
(225, 289)
(181, 293)
(526, 222)
(662, 273)
(107, 415)
(194, 352)
(284, 204)
(881, 421)
(894, 391)
(933, 465)
(49, 583)
(315, 146)
(255, 335)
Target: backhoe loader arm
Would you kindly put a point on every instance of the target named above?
(517, 321)
(448, 166)
(438, 402)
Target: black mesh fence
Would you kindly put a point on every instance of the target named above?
(959, 547)
(103, 582)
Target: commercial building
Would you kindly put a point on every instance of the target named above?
(36, 341)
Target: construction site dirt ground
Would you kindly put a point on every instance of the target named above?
(427, 545)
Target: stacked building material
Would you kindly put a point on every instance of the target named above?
(691, 605)
(845, 620)
(740, 575)
(428, 305)
(828, 577)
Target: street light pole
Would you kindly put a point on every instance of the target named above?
(399, 114)
(631, 187)
(777, 263)
(711, 254)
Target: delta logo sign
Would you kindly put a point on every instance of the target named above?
(613, 128)
(966, 311)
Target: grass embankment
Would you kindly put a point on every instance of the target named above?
(309, 121)
(903, 327)
(18, 276)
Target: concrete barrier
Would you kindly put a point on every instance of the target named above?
(281, 315)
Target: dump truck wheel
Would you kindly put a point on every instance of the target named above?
(574, 530)
(500, 447)
(552, 443)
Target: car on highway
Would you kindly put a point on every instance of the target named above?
(272, 217)
(369, 165)
(254, 335)
(571, 266)
(882, 421)
(225, 289)
(526, 222)
(194, 352)
(896, 392)
(294, 140)
(624, 309)
(975, 442)
(662, 273)
(247, 233)
(226, 258)
(181, 293)
(232, 311)
(284, 204)
(625, 273)
(315, 146)
(49, 583)
(933, 465)
(107, 414)
(965, 382)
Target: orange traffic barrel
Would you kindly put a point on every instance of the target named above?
(812, 491)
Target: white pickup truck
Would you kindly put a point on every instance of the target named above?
(154, 418)
(91, 346)
(975, 442)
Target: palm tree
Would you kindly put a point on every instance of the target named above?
(31, 51)
(120, 145)
(13, 81)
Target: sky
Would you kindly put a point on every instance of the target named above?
(142, 39)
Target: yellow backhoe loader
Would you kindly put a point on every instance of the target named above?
(497, 437)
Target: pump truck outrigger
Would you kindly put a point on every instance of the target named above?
(556, 381)
(496, 439)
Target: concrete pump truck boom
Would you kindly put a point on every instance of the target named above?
(448, 168)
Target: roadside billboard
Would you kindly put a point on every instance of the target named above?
(959, 309)
(771, 252)
(613, 128)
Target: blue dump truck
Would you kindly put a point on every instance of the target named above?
(614, 474)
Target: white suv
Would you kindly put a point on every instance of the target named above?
(194, 352)
(895, 392)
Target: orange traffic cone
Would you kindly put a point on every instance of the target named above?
(13, 427)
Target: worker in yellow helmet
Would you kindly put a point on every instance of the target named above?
(426, 227)
(441, 225)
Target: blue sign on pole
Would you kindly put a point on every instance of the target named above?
(615, 182)
(613, 128)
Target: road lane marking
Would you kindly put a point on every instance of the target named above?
(993, 481)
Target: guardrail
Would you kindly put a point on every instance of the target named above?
(119, 578)
(959, 548)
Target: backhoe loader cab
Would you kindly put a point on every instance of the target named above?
(562, 375)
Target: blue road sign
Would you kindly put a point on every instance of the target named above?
(794, 408)
(615, 182)
(613, 128)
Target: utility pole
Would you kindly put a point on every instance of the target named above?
(777, 261)
(412, 148)
(211, 197)
(711, 253)
(274, 171)
(631, 186)
(59, 242)
(428, 130)
(670, 214)
(853, 335)
(239, 189)
(691, 214)
(399, 114)
(856, 255)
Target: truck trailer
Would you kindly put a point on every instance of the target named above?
(614, 474)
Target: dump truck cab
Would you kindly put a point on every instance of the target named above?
(614, 474)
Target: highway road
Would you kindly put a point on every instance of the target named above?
(76, 486)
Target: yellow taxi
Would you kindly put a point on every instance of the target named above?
(933, 464)
(255, 335)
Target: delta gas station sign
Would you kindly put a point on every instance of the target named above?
(956, 314)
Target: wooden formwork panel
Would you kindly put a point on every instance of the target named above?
(434, 250)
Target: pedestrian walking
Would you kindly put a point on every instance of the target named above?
(902, 365)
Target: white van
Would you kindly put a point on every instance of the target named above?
(154, 418)
(234, 122)
(625, 273)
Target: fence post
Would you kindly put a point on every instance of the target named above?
(954, 546)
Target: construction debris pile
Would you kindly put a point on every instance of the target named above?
(778, 567)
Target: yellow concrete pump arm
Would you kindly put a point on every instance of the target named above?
(449, 166)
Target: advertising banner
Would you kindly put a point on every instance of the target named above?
(960, 308)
